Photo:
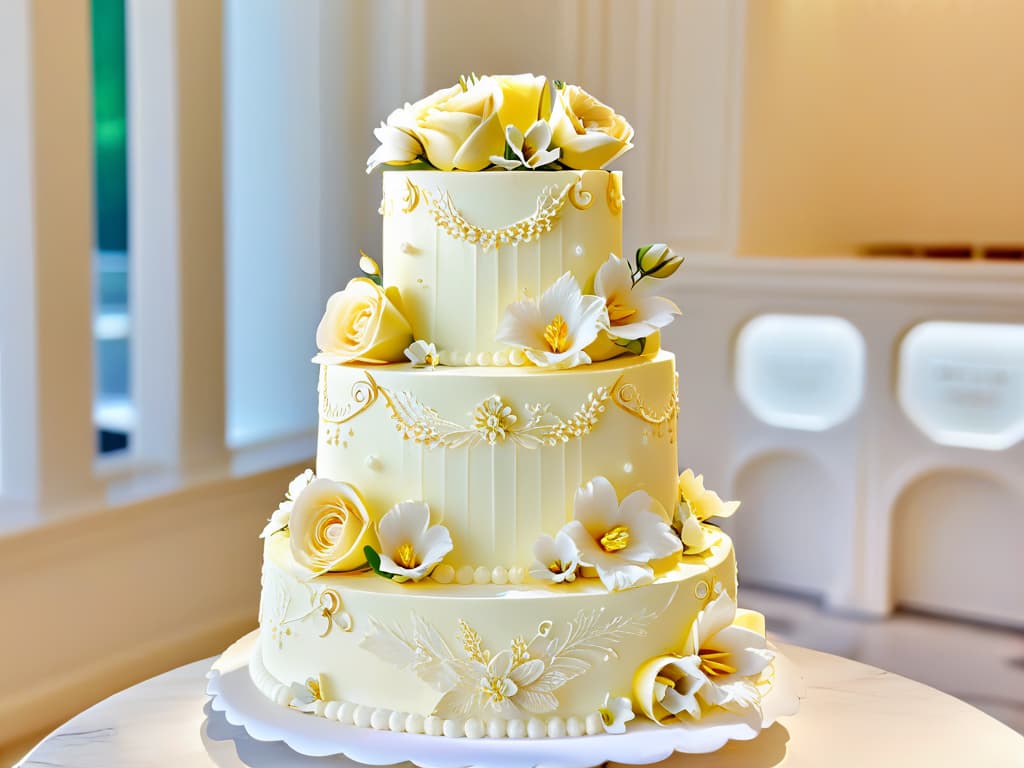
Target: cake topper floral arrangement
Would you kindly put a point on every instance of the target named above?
(511, 122)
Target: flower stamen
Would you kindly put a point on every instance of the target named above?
(556, 334)
(556, 566)
(617, 312)
(615, 540)
(713, 663)
(406, 556)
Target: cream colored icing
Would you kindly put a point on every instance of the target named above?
(455, 291)
(363, 683)
(396, 433)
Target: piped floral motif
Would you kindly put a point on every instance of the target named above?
(696, 506)
(553, 332)
(494, 420)
(716, 673)
(619, 540)
(521, 680)
(279, 520)
(558, 559)
(410, 547)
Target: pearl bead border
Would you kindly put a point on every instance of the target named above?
(465, 575)
(382, 719)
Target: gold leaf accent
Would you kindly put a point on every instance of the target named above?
(614, 193)
(580, 198)
(411, 198)
(364, 394)
(549, 207)
(627, 397)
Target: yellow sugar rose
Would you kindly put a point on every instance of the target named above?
(462, 129)
(329, 527)
(588, 132)
(363, 323)
(524, 100)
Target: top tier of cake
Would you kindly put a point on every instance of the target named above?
(461, 247)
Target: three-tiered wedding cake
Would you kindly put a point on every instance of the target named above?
(496, 541)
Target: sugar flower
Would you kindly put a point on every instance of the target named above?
(696, 506)
(615, 713)
(703, 503)
(554, 331)
(529, 150)
(557, 559)
(657, 260)
(304, 696)
(632, 312)
(410, 545)
(422, 354)
(718, 669)
(363, 323)
(328, 529)
(588, 132)
(279, 520)
(618, 540)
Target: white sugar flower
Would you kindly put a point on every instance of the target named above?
(620, 539)
(410, 545)
(304, 696)
(422, 355)
(632, 312)
(718, 670)
(615, 713)
(397, 146)
(282, 515)
(531, 151)
(554, 331)
(557, 558)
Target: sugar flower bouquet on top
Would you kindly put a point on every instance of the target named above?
(515, 122)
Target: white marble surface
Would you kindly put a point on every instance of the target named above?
(851, 715)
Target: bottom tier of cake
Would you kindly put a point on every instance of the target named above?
(518, 660)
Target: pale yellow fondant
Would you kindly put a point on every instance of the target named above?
(454, 291)
(356, 673)
(496, 498)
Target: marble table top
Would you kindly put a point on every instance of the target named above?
(851, 714)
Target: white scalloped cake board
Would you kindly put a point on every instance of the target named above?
(644, 742)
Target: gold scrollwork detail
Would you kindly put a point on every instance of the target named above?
(627, 397)
(364, 393)
(411, 198)
(580, 198)
(332, 613)
(614, 192)
(449, 219)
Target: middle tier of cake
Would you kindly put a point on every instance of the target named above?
(499, 453)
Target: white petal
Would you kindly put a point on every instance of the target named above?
(652, 314)
(540, 159)
(650, 536)
(404, 523)
(561, 297)
(596, 506)
(522, 325)
(623, 575)
(435, 543)
(566, 549)
(613, 278)
(508, 165)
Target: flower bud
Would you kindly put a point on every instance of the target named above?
(657, 260)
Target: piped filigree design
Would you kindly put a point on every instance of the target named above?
(516, 682)
(627, 397)
(363, 395)
(285, 601)
(449, 219)
(614, 193)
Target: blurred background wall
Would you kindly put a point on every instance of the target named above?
(184, 187)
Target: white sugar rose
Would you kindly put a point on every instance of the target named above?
(589, 133)
(462, 130)
(329, 527)
(363, 323)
